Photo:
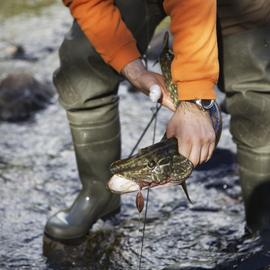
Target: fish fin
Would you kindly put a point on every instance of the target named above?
(165, 44)
(184, 186)
(164, 137)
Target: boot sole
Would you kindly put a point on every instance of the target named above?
(81, 238)
(69, 241)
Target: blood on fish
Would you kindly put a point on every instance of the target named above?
(140, 201)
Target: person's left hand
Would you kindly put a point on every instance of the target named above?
(143, 79)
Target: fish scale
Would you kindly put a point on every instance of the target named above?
(165, 60)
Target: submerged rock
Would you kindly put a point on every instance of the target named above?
(11, 51)
(21, 95)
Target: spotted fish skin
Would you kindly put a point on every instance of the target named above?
(160, 163)
(155, 165)
(165, 60)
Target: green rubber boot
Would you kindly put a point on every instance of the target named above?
(87, 89)
(246, 77)
(96, 146)
(255, 182)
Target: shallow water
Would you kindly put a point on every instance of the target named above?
(38, 176)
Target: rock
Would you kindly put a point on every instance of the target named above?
(12, 51)
(8, 50)
(21, 95)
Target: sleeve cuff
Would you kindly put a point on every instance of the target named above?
(196, 90)
(124, 55)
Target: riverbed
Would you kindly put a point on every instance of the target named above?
(38, 176)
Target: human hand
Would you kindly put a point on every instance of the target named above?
(193, 129)
(143, 80)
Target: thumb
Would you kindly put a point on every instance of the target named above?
(155, 93)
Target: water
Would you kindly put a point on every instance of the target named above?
(38, 176)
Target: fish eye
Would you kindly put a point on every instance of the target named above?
(151, 163)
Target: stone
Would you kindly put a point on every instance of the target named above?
(11, 51)
(21, 95)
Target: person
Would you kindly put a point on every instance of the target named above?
(105, 44)
(245, 73)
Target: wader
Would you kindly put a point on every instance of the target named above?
(87, 90)
(246, 76)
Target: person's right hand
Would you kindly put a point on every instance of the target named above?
(194, 132)
(143, 79)
(191, 126)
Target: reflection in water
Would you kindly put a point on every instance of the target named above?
(64, 256)
(102, 249)
(91, 252)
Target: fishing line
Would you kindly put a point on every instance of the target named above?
(153, 118)
(148, 189)
(145, 130)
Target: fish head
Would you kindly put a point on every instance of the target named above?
(152, 165)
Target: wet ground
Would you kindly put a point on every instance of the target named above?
(38, 176)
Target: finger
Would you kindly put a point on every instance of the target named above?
(147, 81)
(204, 153)
(154, 78)
(165, 97)
(169, 133)
(211, 150)
(184, 148)
(195, 154)
(155, 93)
(160, 81)
(167, 102)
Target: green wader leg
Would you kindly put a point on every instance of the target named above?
(246, 67)
(87, 90)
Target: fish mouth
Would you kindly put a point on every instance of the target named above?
(119, 184)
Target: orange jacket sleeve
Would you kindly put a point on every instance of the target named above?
(101, 22)
(195, 65)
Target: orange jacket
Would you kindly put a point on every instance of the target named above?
(193, 25)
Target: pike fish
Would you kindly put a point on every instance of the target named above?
(160, 164)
